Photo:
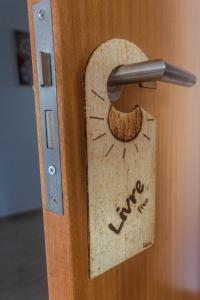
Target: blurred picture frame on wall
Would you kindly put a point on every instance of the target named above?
(23, 56)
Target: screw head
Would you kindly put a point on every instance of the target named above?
(42, 14)
(52, 170)
(53, 200)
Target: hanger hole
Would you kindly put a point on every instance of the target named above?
(125, 98)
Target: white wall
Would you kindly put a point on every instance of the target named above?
(19, 171)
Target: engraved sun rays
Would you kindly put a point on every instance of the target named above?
(103, 134)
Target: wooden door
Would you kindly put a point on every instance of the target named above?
(170, 269)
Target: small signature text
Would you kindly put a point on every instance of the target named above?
(147, 244)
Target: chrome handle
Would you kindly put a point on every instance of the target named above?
(149, 71)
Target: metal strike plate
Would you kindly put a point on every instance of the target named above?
(48, 104)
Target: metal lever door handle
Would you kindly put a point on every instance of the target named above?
(149, 71)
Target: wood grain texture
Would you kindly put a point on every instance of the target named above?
(125, 126)
(120, 164)
(56, 228)
(170, 269)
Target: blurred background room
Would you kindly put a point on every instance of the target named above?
(22, 255)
